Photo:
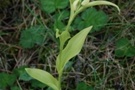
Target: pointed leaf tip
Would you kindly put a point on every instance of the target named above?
(43, 77)
(102, 2)
(73, 47)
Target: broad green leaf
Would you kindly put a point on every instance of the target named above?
(59, 25)
(37, 84)
(49, 88)
(6, 80)
(15, 88)
(95, 3)
(50, 6)
(91, 16)
(83, 86)
(131, 51)
(124, 48)
(31, 36)
(24, 76)
(73, 47)
(43, 77)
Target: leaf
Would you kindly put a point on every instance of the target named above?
(59, 25)
(131, 51)
(63, 38)
(15, 88)
(91, 16)
(121, 47)
(62, 15)
(43, 77)
(24, 76)
(124, 48)
(6, 80)
(102, 2)
(69, 65)
(60, 19)
(83, 86)
(31, 36)
(37, 84)
(50, 6)
(73, 47)
(49, 88)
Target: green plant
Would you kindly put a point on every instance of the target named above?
(83, 86)
(31, 36)
(52, 5)
(12, 80)
(124, 48)
(86, 19)
(73, 46)
(6, 80)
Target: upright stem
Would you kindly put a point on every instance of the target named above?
(72, 16)
(59, 80)
(69, 23)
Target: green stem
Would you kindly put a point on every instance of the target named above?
(59, 80)
(72, 16)
(69, 22)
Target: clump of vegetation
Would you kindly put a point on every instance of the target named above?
(69, 50)
(27, 39)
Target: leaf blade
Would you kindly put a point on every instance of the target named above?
(50, 6)
(31, 36)
(97, 18)
(102, 2)
(43, 77)
(73, 47)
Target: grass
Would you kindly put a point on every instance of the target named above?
(96, 65)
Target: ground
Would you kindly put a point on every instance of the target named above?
(99, 64)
